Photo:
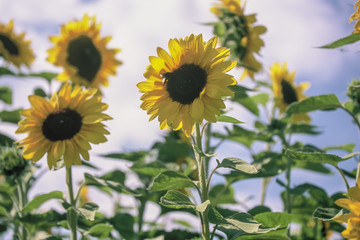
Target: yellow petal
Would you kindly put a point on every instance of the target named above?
(197, 110)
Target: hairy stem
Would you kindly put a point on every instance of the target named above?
(203, 186)
(71, 214)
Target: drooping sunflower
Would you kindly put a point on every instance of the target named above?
(352, 219)
(286, 92)
(13, 47)
(240, 34)
(186, 86)
(356, 17)
(63, 126)
(83, 53)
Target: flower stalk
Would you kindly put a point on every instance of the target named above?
(71, 214)
(203, 186)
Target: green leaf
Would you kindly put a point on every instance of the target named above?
(99, 182)
(203, 206)
(170, 180)
(220, 194)
(45, 75)
(5, 71)
(259, 209)
(47, 219)
(177, 200)
(124, 224)
(150, 169)
(346, 147)
(316, 167)
(303, 128)
(88, 210)
(322, 102)
(3, 211)
(261, 98)
(238, 164)
(352, 38)
(89, 165)
(172, 149)
(328, 214)
(273, 219)
(269, 164)
(10, 116)
(115, 176)
(183, 223)
(241, 97)
(227, 119)
(100, 231)
(129, 156)
(6, 140)
(277, 221)
(40, 199)
(6, 95)
(237, 224)
(39, 92)
(318, 157)
(53, 238)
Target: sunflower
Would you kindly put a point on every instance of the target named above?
(352, 219)
(286, 92)
(14, 48)
(63, 126)
(186, 86)
(240, 34)
(83, 53)
(356, 16)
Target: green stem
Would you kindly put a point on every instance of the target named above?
(213, 232)
(207, 146)
(203, 186)
(288, 174)
(265, 183)
(343, 177)
(288, 184)
(21, 202)
(356, 120)
(71, 214)
(141, 211)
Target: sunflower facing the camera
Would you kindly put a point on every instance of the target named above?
(187, 85)
(63, 126)
(83, 53)
(13, 47)
(286, 92)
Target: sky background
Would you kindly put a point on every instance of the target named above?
(138, 27)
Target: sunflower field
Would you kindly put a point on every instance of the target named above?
(179, 120)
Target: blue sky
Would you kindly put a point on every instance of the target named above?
(295, 29)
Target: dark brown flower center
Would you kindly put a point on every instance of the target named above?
(83, 54)
(185, 84)
(9, 45)
(288, 92)
(62, 125)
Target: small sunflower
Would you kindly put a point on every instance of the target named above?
(14, 48)
(286, 92)
(240, 34)
(186, 86)
(352, 219)
(83, 53)
(356, 17)
(63, 126)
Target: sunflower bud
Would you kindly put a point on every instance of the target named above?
(12, 162)
(353, 91)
